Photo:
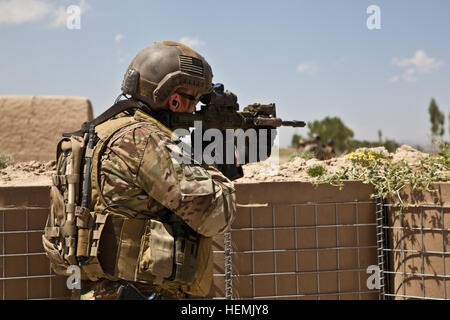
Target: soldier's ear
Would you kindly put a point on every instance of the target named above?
(174, 102)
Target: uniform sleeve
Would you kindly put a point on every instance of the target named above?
(202, 197)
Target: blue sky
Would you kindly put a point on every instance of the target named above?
(312, 58)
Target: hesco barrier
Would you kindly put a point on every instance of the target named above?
(290, 240)
(25, 271)
(416, 248)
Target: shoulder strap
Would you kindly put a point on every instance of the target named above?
(114, 110)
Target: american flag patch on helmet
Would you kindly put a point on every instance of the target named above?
(191, 65)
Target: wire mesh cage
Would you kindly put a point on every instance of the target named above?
(304, 250)
(414, 254)
(25, 271)
(301, 251)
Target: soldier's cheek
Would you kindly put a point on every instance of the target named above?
(191, 108)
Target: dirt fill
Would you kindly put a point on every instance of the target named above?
(39, 173)
(30, 173)
(296, 169)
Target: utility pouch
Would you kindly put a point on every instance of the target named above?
(59, 265)
(185, 262)
(157, 250)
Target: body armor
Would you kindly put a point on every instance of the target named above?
(119, 242)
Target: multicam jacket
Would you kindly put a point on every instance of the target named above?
(138, 170)
(138, 175)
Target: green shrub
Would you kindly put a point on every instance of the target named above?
(316, 171)
(5, 160)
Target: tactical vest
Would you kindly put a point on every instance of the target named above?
(105, 243)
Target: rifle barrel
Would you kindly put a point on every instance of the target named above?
(293, 123)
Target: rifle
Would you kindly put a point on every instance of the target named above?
(220, 110)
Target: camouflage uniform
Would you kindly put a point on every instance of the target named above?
(138, 171)
(316, 149)
(329, 152)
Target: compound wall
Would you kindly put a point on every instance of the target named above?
(30, 127)
(289, 241)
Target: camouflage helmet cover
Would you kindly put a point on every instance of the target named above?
(160, 69)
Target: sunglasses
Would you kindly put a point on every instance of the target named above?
(187, 96)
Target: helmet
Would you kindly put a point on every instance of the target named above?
(161, 68)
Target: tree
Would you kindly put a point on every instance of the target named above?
(436, 118)
(380, 137)
(295, 139)
(332, 129)
(390, 145)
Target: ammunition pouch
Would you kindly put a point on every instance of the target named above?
(185, 260)
(148, 251)
(157, 250)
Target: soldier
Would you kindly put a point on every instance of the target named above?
(314, 147)
(162, 213)
(301, 145)
(329, 150)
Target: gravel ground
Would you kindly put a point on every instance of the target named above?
(39, 173)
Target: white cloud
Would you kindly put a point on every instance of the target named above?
(394, 79)
(58, 17)
(420, 63)
(308, 67)
(192, 42)
(84, 6)
(408, 75)
(16, 12)
(119, 37)
(23, 11)
(122, 55)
